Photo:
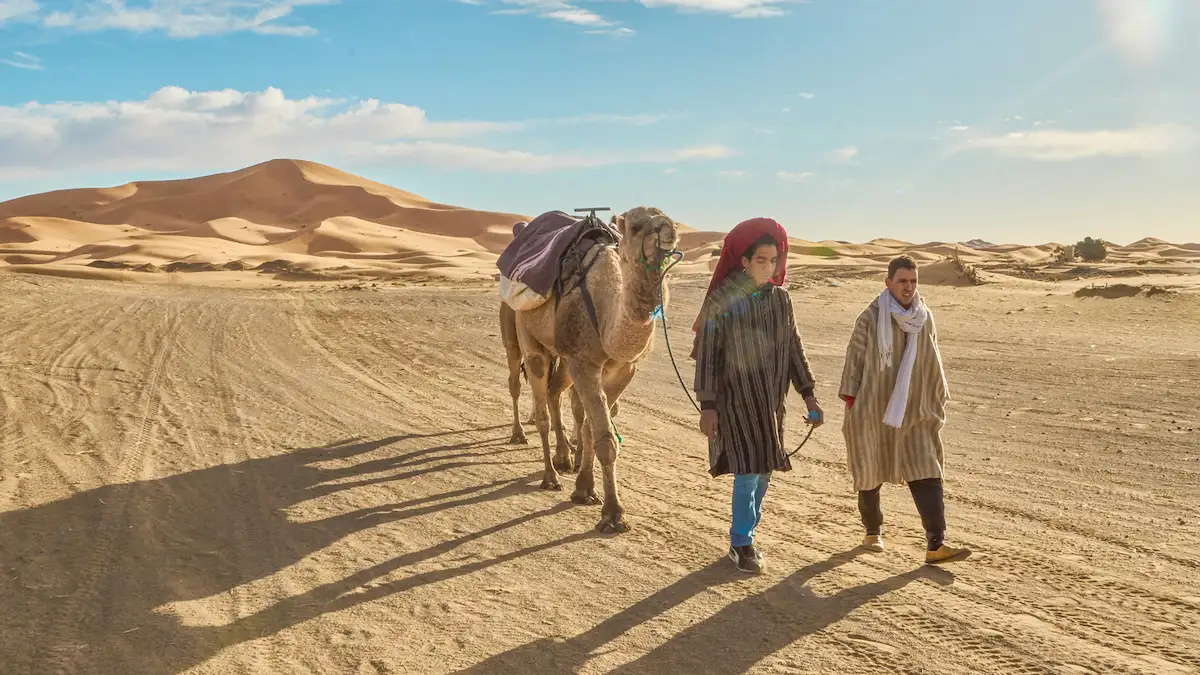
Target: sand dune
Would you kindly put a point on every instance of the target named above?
(318, 218)
(312, 215)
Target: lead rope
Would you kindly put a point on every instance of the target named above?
(661, 314)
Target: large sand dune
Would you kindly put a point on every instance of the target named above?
(306, 213)
(317, 218)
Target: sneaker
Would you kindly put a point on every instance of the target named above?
(946, 554)
(873, 542)
(746, 559)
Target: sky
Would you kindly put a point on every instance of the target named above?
(1015, 121)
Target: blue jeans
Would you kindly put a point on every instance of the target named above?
(748, 492)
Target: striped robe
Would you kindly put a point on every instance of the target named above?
(748, 353)
(877, 453)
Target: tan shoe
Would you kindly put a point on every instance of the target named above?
(873, 542)
(947, 554)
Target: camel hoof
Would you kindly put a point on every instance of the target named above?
(585, 498)
(518, 439)
(608, 525)
(551, 485)
(563, 466)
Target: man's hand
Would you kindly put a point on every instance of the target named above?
(814, 407)
(708, 423)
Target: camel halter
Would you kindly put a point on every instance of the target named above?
(660, 312)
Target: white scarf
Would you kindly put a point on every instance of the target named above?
(911, 321)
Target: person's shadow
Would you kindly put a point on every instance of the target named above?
(83, 580)
(728, 642)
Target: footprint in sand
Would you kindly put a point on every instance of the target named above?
(1031, 621)
(1061, 601)
(872, 644)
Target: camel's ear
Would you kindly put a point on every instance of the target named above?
(618, 223)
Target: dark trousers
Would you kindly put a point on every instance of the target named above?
(927, 493)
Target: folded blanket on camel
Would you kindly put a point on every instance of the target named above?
(531, 264)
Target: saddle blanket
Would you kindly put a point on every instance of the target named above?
(531, 264)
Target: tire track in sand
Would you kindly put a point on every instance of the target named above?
(81, 606)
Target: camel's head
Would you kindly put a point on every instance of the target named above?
(648, 238)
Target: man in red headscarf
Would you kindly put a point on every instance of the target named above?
(748, 354)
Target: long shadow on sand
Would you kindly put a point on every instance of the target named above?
(81, 578)
(726, 643)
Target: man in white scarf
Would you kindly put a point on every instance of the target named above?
(896, 408)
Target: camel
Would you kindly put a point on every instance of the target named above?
(597, 361)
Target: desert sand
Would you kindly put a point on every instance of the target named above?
(304, 469)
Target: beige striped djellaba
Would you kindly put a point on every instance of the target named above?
(878, 454)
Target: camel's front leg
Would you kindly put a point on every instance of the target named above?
(538, 368)
(589, 380)
(564, 452)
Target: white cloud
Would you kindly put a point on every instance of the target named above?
(23, 61)
(14, 9)
(794, 176)
(175, 128)
(574, 13)
(180, 18)
(704, 152)
(960, 127)
(806, 96)
(742, 9)
(844, 155)
(1053, 145)
(559, 10)
(615, 32)
(670, 171)
(734, 174)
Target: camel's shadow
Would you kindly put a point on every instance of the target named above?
(83, 579)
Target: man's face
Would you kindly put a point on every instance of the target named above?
(903, 285)
(762, 266)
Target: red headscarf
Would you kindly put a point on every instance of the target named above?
(736, 243)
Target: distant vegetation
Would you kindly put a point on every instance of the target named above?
(1091, 250)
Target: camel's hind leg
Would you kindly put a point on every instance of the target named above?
(560, 380)
(538, 368)
(577, 411)
(512, 352)
(600, 439)
(514, 390)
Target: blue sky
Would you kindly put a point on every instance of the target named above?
(1019, 121)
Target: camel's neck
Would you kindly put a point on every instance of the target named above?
(631, 327)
